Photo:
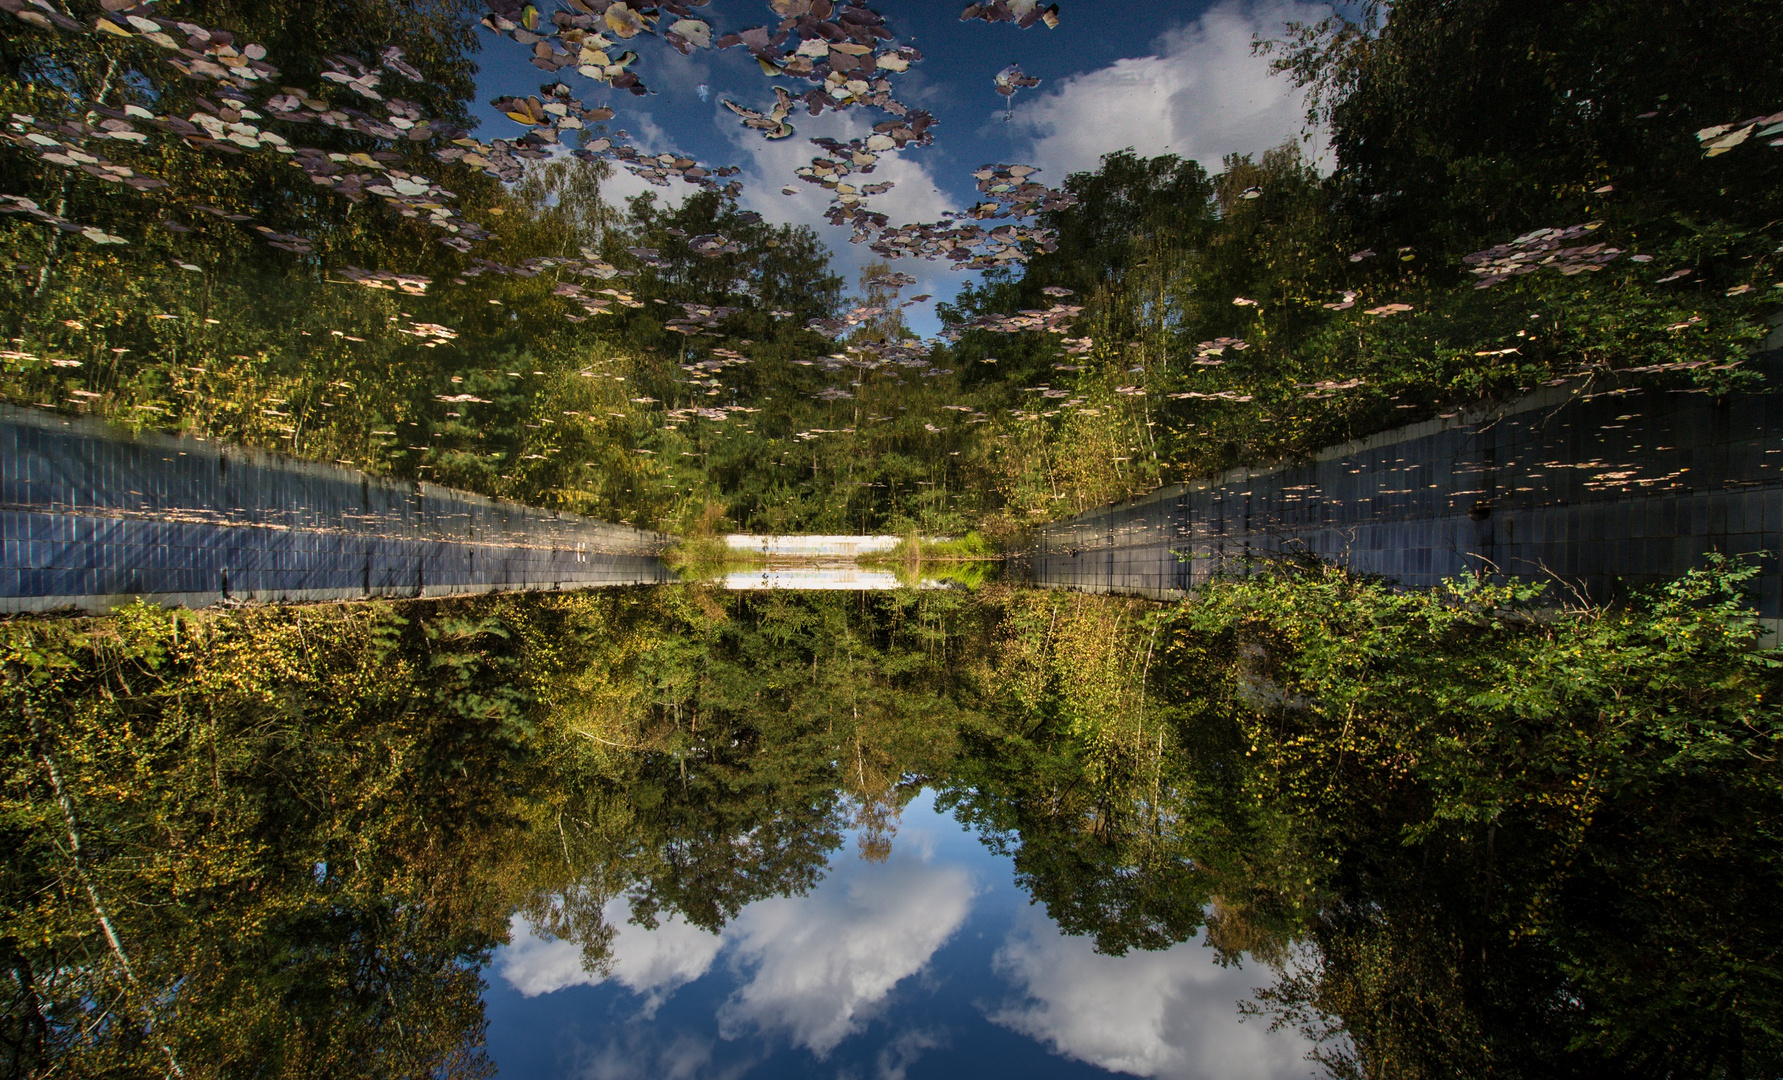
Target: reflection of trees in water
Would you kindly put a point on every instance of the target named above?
(306, 828)
(1468, 836)
(274, 815)
(1509, 843)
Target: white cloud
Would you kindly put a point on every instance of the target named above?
(648, 136)
(640, 1052)
(650, 963)
(771, 164)
(914, 197)
(655, 962)
(897, 1056)
(535, 965)
(1200, 95)
(815, 967)
(681, 1058)
(819, 966)
(1166, 1014)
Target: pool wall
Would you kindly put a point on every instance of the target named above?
(91, 518)
(1597, 489)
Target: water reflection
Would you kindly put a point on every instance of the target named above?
(686, 831)
(820, 578)
(1471, 831)
(909, 965)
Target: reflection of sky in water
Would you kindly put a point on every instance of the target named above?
(930, 964)
(1165, 78)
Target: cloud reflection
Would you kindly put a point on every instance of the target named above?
(642, 1054)
(818, 967)
(649, 963)
(814, 968)
(1170, 1014)
(808, 973)
(1202, 94)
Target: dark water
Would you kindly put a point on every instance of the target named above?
(679, 831)
(932, 962)
(1383, 684)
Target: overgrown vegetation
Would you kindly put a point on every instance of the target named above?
(1462, 830)
(1226, 317)
(1235, 309)
(1465, 833)
(284, 841)
(1469, 836)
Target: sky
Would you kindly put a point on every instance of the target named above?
(1160, 77)
(932, 963)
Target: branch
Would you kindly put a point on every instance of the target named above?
(80, 871)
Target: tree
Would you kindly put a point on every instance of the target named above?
(1460, 123)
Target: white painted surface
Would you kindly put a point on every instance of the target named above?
(818, 578)
(846, 547)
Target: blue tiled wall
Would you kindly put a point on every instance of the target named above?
(89, 518)
(1604, 491)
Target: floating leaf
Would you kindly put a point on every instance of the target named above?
(695, 31)
(1541, 248)
(1728, 141)
(625, 22)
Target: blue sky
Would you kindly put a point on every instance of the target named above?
(932, 963)
(1160, 77)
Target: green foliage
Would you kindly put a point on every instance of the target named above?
(306, 828)
(1070, 777)
(1454, 120)
(1533, 827)
(1469, 833)
(263, 813)
(1456, 126)
(494, 381)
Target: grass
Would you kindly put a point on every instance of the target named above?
(912, 559)
(705, 558)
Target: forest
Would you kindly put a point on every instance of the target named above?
(1475, 831)
(287, 840)
(1612, 216)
